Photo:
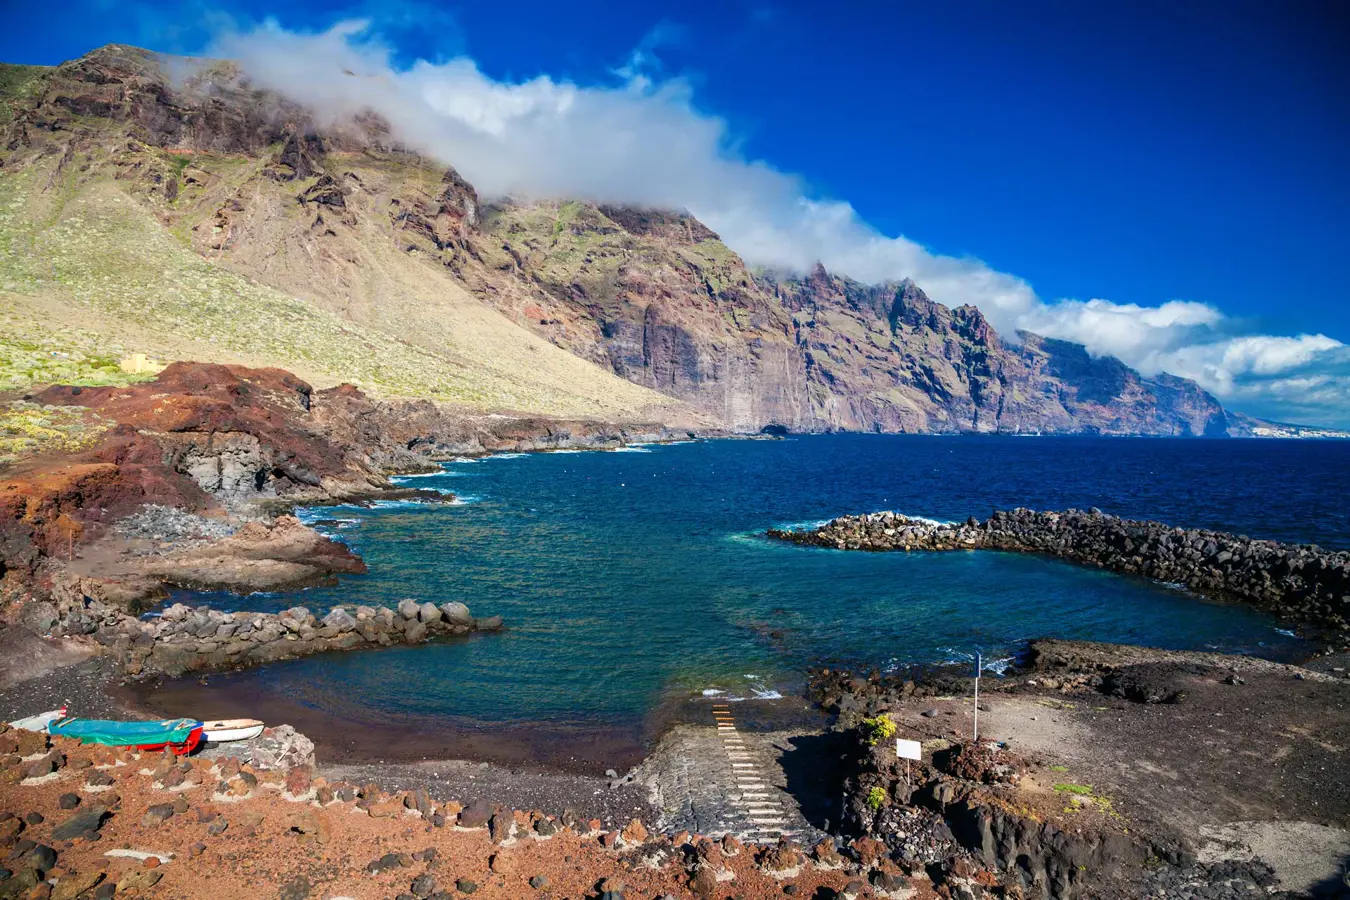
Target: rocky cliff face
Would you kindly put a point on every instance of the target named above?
(404, 250)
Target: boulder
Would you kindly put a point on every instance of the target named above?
(40, 617)
(489, 623)
(428, 613)
(457, 613)
(340, 619)
(475, 815)
(409, 608)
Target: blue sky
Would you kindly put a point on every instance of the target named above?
(1134, 154)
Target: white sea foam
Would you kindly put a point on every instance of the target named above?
(398, 479)
(758, 691)
(412, 503)
(1286, 632)
(631, 448)
(755, 695)
(997, 664)
(927, 520)
(505, 456)
(808, 525)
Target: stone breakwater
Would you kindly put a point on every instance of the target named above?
(186, 639)
(1301, 582)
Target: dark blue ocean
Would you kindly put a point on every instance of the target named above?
(632, 579)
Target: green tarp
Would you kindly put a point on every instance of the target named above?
(126, 734)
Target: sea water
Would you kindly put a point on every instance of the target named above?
(627, 579)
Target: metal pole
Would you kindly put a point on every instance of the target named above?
(975, 737)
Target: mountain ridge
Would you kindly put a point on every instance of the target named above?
(405, 280)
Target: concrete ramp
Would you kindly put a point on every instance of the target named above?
(716, 779)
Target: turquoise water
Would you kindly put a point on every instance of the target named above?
(628, 579)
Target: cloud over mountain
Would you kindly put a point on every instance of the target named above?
(642, 140)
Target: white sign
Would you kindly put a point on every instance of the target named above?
(908, 749)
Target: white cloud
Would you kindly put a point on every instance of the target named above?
(642, 141)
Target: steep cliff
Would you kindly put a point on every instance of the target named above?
(164, 205)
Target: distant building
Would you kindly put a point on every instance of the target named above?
(140, 364)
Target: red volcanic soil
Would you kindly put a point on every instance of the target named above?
(219, 829)
(198, 437)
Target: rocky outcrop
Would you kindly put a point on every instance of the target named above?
(958, 813)
(1296, 581)
(185, 639)
(239, 434)
(281, 556)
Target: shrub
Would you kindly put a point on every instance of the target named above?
(878, 729)
(876, 798)
(1082, 790)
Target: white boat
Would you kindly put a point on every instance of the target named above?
(40, 721)
(225, 730)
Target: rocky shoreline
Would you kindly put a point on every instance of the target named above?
(1300, 582)
(197, 639)
(184, 639)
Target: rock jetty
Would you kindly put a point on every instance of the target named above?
(1302, 582)
(187, 639)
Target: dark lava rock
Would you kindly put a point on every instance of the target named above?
(384, 864)
(80, 824)
(1144, 684)
(34, 818)
(539, 882)
(19, 884)
(423, 886)
(297, 888)
(157, 815)
(466, 886)
(886, 881)
(43, 858)
(475, 815)
(68, 801)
